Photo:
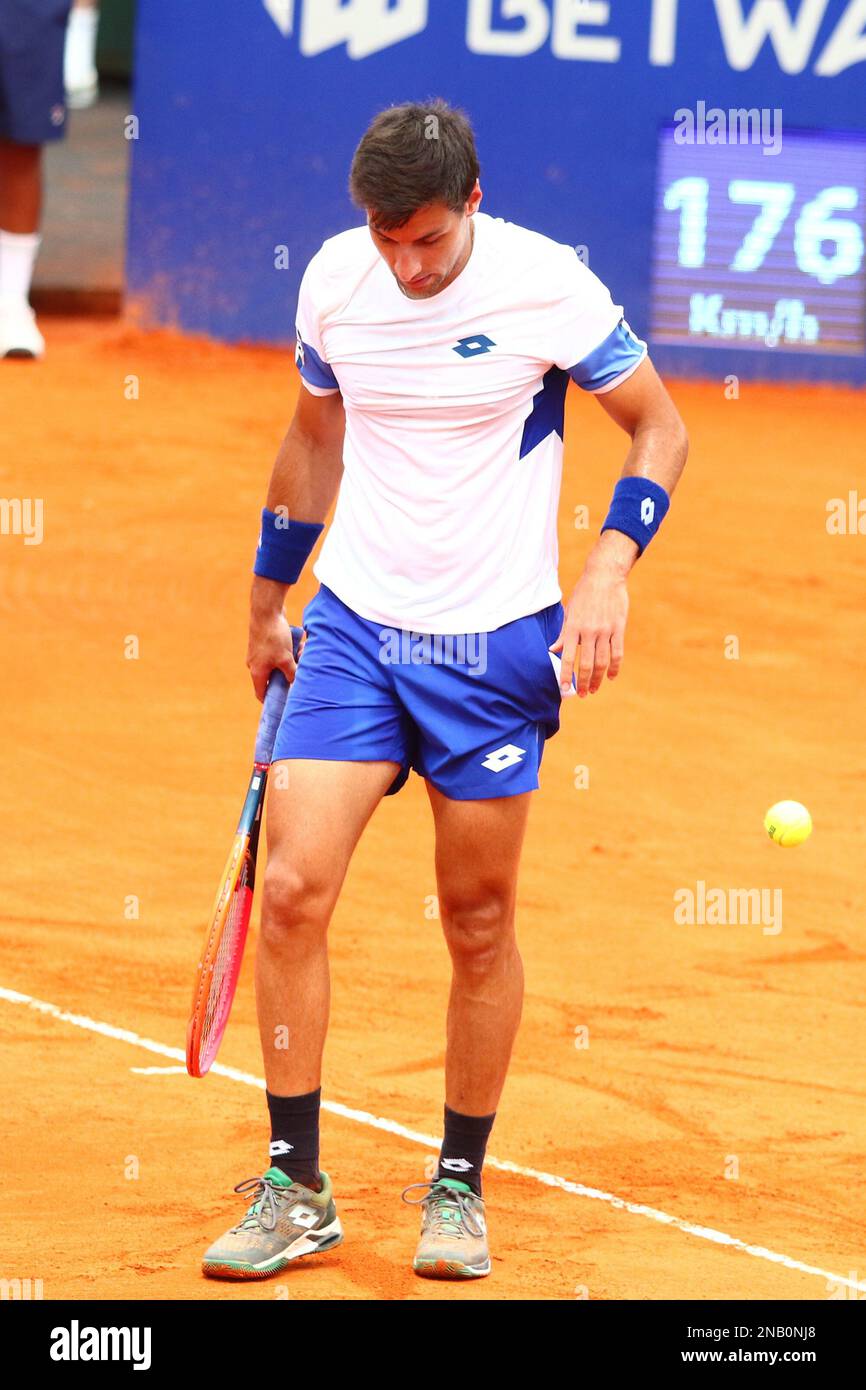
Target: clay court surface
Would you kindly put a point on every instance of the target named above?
(712, 1049)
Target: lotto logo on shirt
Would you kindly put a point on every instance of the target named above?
(470, 347)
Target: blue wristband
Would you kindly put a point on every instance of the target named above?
(638, 508)
(284, 547)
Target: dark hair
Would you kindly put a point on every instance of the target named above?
(410, 156)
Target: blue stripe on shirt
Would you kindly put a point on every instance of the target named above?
(312, 368)
(619, 351)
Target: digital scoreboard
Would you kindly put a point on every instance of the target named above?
(761, 248)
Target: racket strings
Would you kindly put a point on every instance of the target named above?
(222, 975)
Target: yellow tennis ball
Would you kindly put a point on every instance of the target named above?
(788, 823)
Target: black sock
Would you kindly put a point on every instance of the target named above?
(295, 1136)
(463, 1146)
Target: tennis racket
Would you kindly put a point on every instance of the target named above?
(217, 975)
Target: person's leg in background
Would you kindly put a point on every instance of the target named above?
(79, 61)
(20, 216)
(32, 111)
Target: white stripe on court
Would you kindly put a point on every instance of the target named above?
(158, 1071)
(108, 1030)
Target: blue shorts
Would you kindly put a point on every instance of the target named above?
(32, 99)
(470, 712)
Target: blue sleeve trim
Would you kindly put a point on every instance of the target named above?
(312, 368)
(617, 356)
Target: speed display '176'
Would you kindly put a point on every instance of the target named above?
(759, 249)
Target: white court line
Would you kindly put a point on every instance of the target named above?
(158, 1071)
(107, 1030)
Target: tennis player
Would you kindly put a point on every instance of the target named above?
(435, 346)
(32, 112)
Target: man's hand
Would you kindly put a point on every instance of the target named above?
(596, 614)
(270, 641)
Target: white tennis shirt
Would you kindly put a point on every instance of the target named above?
(446, 515)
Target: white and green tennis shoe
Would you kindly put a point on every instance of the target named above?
(284, 1221)
(453, 1242)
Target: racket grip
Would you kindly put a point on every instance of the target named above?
(275, 702)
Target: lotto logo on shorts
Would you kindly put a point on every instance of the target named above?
(504, 757)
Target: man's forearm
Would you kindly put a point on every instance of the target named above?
(305, 477)
(658, 452)
(304, 482)
(266, 598)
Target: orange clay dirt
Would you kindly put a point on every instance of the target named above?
(723, 1083)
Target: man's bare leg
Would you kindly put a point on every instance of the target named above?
(478, 847)
(316, 813)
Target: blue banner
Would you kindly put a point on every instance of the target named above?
(673, 141)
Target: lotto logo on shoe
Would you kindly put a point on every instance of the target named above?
(504, 757)
(280, 1146)
(456, 1165)
(304, 1216)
